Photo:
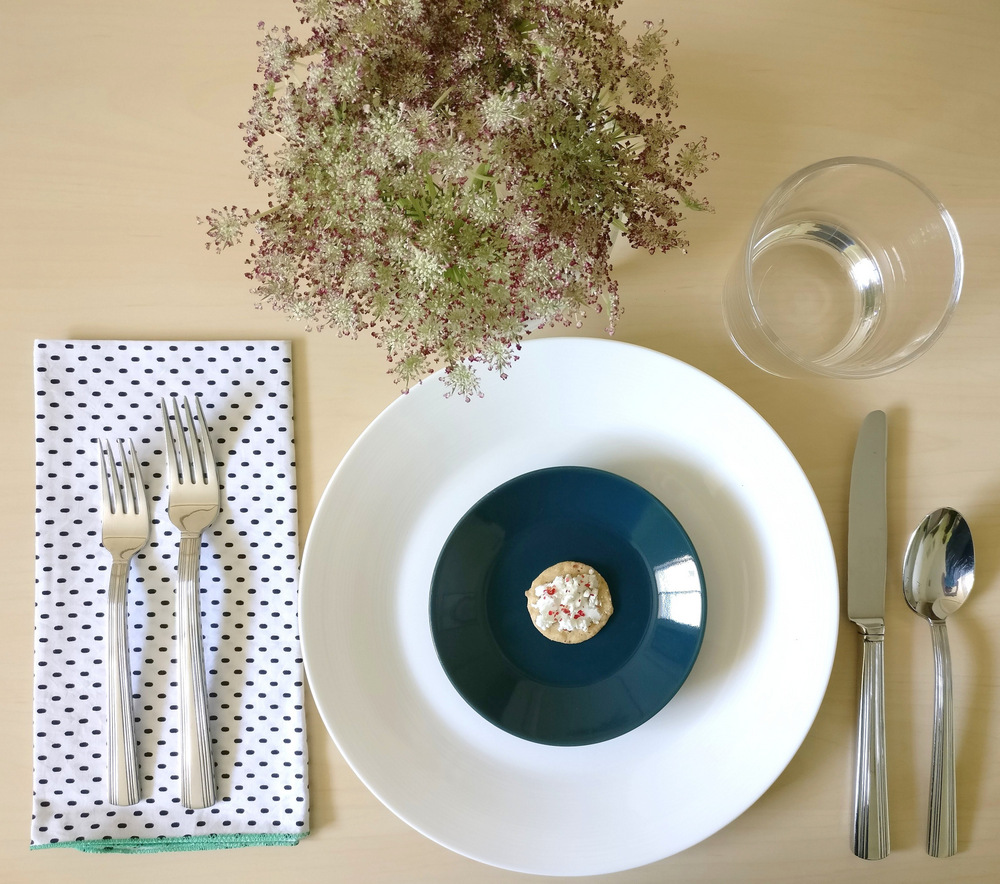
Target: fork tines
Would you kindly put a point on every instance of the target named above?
(190, 459)
(124, 493)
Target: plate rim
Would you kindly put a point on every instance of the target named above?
(823, 651)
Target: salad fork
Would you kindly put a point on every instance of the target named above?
(124, 531)
(193, 504)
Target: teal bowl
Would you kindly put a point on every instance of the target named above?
(545, 691)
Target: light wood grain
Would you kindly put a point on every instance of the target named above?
(118, 126)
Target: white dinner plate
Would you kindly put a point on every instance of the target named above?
(771, 589)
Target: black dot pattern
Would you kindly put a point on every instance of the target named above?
(249, 560)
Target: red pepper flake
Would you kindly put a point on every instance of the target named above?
(551, 590)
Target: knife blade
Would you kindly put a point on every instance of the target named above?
(867, 545)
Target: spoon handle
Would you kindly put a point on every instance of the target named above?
(942, 838)
(871, 808)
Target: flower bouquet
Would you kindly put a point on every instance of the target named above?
(449, 174)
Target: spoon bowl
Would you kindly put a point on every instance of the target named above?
(938, 571)
(939, 566)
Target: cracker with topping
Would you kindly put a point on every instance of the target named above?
(569, 602)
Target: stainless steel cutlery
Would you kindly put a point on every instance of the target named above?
(866, 569)
(193, 506)
(124, 531)
(938, 570)
(194, 499)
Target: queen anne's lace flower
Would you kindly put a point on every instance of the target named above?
(447, 173)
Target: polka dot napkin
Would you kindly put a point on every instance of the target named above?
(249, 559)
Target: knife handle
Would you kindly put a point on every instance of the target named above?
(871, 806)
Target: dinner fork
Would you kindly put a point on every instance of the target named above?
(124, 531)
(192, 506)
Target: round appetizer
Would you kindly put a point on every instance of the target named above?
(569, 602)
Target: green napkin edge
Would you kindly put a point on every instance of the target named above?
(166, 844)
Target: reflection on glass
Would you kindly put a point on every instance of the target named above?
(678, 590)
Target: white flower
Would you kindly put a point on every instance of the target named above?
(427, 271)
(499, 111)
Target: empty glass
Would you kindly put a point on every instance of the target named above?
(852, 269)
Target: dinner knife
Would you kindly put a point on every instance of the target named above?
(867, 542)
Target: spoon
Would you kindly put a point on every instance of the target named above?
(938, 570)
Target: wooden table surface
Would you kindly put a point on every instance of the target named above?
(118, 126)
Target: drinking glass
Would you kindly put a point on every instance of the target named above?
(852, 269)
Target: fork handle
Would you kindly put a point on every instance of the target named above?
(123, 774)
(197, 779)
